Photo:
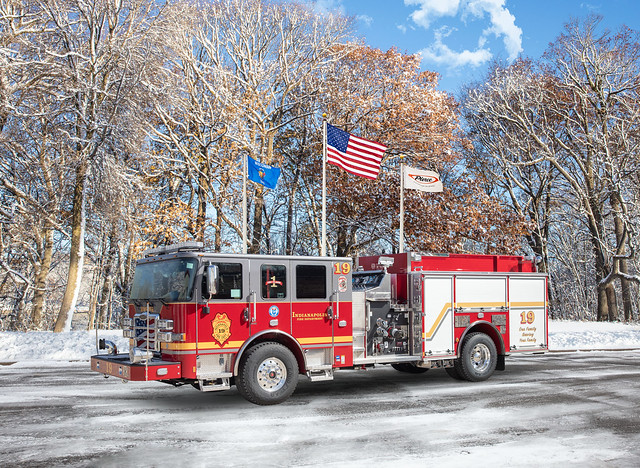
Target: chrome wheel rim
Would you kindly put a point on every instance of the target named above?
(480, 358)
(272, 374)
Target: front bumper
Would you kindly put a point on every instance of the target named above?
(119, 365)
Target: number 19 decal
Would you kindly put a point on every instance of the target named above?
(341, 268)
(527, 317)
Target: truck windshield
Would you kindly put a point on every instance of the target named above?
(366, 280)
(170, 280)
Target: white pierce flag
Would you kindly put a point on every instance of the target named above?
(426, 181)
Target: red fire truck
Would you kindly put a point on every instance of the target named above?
(259, 321)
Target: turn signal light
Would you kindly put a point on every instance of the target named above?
(165, 336)
(165, 324)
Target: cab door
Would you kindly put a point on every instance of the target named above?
(271, 295)
(224, 320)
(321, 311)
(312, 309)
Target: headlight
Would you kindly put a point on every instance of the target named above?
(138, 356)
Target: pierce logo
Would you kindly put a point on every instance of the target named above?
(221, 328)
(423, 179)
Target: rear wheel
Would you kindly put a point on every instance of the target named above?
(478, 358)
(409, 368)
(453, 373)
(268, 374)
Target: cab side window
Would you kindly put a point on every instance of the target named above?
(230, 281)
(274, 281)
(311, 281)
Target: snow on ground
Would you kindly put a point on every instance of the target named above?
(79, 345)
(568, 335)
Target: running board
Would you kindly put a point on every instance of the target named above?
(317, 375)
(214, 385)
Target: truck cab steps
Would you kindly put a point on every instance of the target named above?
(320, 373)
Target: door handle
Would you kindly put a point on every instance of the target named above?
(330, 312)
(254, 299)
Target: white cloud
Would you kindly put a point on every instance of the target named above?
(328, 6)
(432, 9)
(365, 19)
(402, 28)
(441, 54)
(591, 7)
(502, 25)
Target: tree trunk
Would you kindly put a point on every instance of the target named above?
(41, 279)
(341, 242)
(104, 316)
(17, 322)
(621, 240)
(627, 302)
(612, 302)
(290, 213)
(201, 217)
(108, 274)
(127, 271)
(603, 308)
(258, 202)
(217, 241)
(93, 301)
(76, 255)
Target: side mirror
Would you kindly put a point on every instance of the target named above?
(213, 279)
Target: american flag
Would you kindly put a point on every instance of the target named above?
(354, 154)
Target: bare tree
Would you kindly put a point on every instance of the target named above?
(576, 113)
(101, 53)
(266, 52)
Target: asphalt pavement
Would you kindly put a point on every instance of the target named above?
(569, 409)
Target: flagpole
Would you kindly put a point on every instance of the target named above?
(323, 245)
(401, 240)
(244, 205)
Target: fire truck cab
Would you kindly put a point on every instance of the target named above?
(259, 321)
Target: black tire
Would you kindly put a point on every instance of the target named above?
(478, 358)
(268, 374)
(409, 367)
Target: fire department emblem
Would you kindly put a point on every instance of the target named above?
(342, 284)
(221, 328)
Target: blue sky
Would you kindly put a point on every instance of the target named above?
(460, 38)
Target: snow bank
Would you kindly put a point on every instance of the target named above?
(80, 345)
(69, 346)
(565, 335)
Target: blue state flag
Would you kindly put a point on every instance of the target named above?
(263, 173)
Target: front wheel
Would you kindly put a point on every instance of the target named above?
(478, 358)
(268, 374)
